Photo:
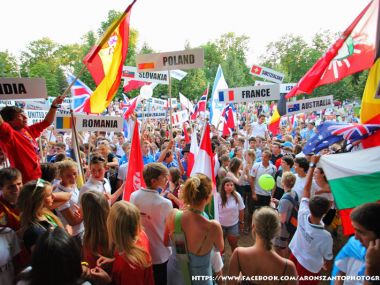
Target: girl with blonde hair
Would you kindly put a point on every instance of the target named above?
(132, 261)
(261, 259)
(35, 200)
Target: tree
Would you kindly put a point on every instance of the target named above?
(8, 65)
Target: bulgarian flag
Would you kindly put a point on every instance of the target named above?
(354, 179)
(105, 62)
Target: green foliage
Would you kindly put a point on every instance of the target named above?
(8, 65)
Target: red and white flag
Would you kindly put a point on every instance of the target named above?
(204, 163)
(132, 106)
(354, 51)
(134, 179)
(201, 105)
(193, 152)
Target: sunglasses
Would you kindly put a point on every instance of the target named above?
(39, 184)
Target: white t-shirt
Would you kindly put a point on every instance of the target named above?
(259, 130)
(95, 185)
(311, 244)
(300, 185)
(74, 201)
(9, 248)
(154, 209)
(122, 172)
(229, 214)
(259, 169)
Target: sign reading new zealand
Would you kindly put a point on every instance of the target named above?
(185, 59)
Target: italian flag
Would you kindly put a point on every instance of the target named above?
(354, 179)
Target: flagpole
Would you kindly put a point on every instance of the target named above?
(170, 106)
(75, 137)
(72, 82)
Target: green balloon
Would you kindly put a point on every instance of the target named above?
(266, 182)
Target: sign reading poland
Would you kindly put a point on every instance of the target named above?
(267, 73)
(250, 94)
(185, 59)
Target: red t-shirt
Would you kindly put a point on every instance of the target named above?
(123, 272)
(20, 148)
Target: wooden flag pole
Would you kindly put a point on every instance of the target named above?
(76, 147)
(170, 107)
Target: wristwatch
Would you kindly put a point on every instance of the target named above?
(54, 106)
(312, 165)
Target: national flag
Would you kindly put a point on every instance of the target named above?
(186, 103)
(105, 62)
(228, 119)
(354, 178)
(217, 107)
(131, 109)
(354, 51)
(279, 110)
(134, 179)
(226, 96)
(201, 105)
(256, 69)
(370, 107)
(332, 132)
(186, 134)
(80, 93)
(63, 122)
(130, 85)
(193, 152)
(124, 105)
(204, 163)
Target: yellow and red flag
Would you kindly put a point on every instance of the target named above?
(105, 62)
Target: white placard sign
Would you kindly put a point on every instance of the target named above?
(267, 73)
(250, 94)
(309, 105)
(156, 102)
(184, 59)
(286, 87)
(4, 103)
(180, 117)
(22, 88)
(130, 72)
(35, 116)
(151, 115)
(99, 123)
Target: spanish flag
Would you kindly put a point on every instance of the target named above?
(105, 62)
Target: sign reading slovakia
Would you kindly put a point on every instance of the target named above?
(185, 59)
(22, 88)
(250, 94)
(267, 73)
(309, 105)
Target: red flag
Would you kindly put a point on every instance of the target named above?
(105, 62)
(354, 51)
(134, 179)
(134, 84)
(201, 105)
(187, 138)
(256, 69)
(131, 108)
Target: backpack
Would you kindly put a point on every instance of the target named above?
(291, 224)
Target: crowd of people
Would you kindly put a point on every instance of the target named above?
(56, 228)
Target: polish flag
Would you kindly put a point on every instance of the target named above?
(193, 152)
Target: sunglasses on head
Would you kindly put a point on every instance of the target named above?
(39, 184)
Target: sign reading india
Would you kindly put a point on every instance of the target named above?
(250, 93)
(309, 105)
(130, 72)
(22, 88)
(185, 59)
(267, 73)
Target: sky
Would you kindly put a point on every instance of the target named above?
(167, 25)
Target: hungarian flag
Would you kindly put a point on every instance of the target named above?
(354, 51)
(134, 179)
(105, 62)
(354, 179)
(193, 152)
(204, 163)
(370, 108)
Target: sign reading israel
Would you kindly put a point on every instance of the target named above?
(22, 88)
(309, 105)
(250, 93)
(99, 123)
(267, 73)
(185, 59)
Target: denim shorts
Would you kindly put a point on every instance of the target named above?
(232, 230)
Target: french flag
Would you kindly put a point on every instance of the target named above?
(201, 105)
(80, 92)
(225, 96)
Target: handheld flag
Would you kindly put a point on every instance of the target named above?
(201, 105)
(134, 179)
(354, 51)
(228, 119)
(193, 152)
(105, 62)
(216, 107)
(80, 93)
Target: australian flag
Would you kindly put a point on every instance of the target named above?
(80, 92)
(332, 132)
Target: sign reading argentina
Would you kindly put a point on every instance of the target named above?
(99, 123)
(22, 88)
(185, 59)
(309, 105)
(250, 94)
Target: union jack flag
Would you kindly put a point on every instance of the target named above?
(124, 105)
(332, 132)
(80, 92)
